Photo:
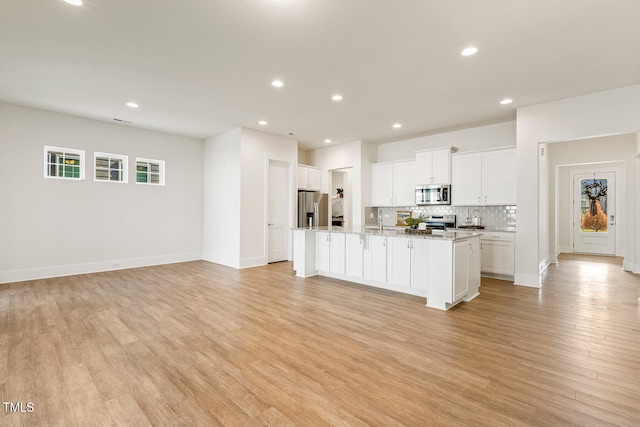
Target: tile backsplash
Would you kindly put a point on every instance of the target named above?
(492, 216)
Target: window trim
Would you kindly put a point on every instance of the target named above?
(161, 170)
(79, 153)
(125, 166)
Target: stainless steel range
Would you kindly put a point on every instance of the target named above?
(441, 222)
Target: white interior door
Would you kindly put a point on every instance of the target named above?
(278, 224)
(594, 213)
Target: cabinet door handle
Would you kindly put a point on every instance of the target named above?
(409, 244)
(384, 242)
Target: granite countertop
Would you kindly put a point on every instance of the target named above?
(395, 232)
(489, 229)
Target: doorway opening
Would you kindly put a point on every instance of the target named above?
(340, 207)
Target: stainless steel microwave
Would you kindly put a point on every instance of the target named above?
(433, 194)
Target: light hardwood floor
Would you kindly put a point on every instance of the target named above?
(201, 344)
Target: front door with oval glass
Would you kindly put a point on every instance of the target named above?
(594, 213)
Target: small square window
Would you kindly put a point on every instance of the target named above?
(149, 171)
(63, 163)
(111, 167)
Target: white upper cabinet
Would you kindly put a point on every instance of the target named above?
(308, 178)
(404, 183)
(484, 178)
(393, 184)
(434, 167)
(466, 179)
(499, 177)
(382, 184)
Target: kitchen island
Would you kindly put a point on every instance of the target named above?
(443, 267)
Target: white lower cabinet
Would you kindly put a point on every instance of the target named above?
(443, 270)
(454, 272)
(407, 262)
(330, 252)
(323, 251)
(375, 258)
(420, 264)
(498, 254)
(355, 255)
(399, 261)
(461, 256)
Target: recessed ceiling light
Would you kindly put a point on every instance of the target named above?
(337, 97)
(132, 105)
(277, 83)
(74, 2)
(469, 51)
(506, 101)
(327, 141)
(397, 125)
(262, 122)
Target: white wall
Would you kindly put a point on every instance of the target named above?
(543, 202)
(222, 172)
(356, 155)
(51, 227)
(477, 138)
(603, 113)
(257, 148)
(369, 153)
(302, 156)
(636, 214)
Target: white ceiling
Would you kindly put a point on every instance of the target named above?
(201, 67)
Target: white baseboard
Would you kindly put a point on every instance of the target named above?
(564, 250)
(222, 260)
(11, 276)
(234, 262)
(525, 279)
(544, 265)
(253, 262)
(376, 284)
(636, 269)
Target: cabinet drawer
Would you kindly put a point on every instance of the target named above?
(498, 236)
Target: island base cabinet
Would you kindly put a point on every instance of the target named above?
(330, 252)
(454, 272)
(420, 264)
(323, 251)
(399, 261)
(446, 271)
(375, 258)
(461, 257)
(304, 253)
(355, 255)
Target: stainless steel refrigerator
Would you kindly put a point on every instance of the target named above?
(313, 208)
